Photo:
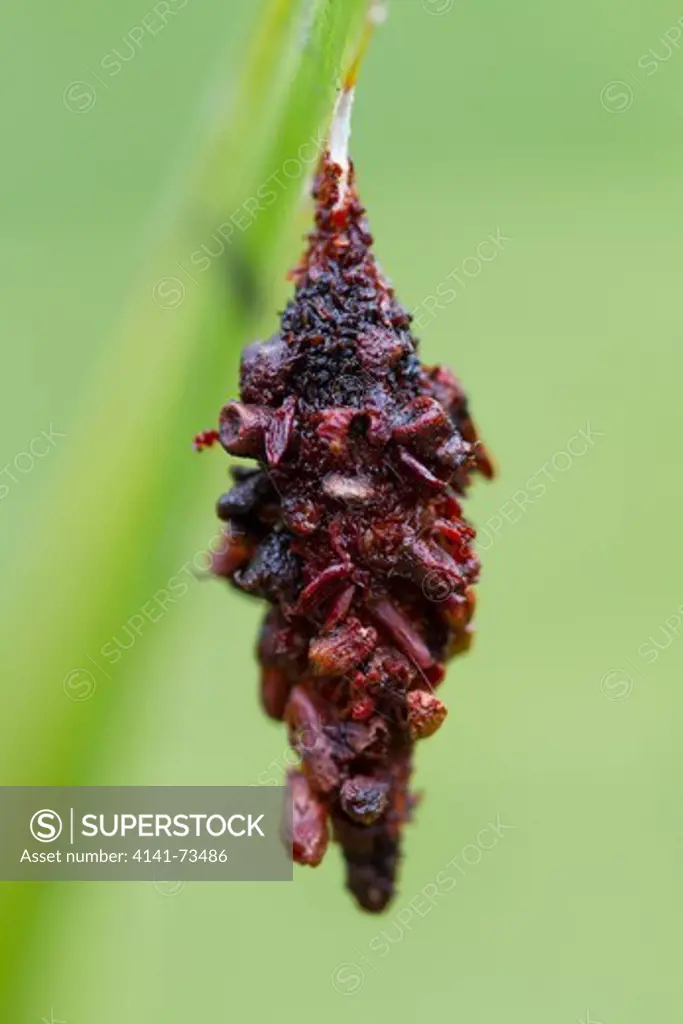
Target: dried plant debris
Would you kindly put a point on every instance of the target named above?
(350, 527)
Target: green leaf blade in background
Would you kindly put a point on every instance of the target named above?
(129, 477)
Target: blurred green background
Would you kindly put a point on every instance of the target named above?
(549, 125)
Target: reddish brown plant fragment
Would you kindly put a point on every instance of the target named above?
(351, 528)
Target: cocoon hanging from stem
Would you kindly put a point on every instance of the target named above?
(350, 527)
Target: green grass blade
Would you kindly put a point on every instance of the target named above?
(128, 477)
